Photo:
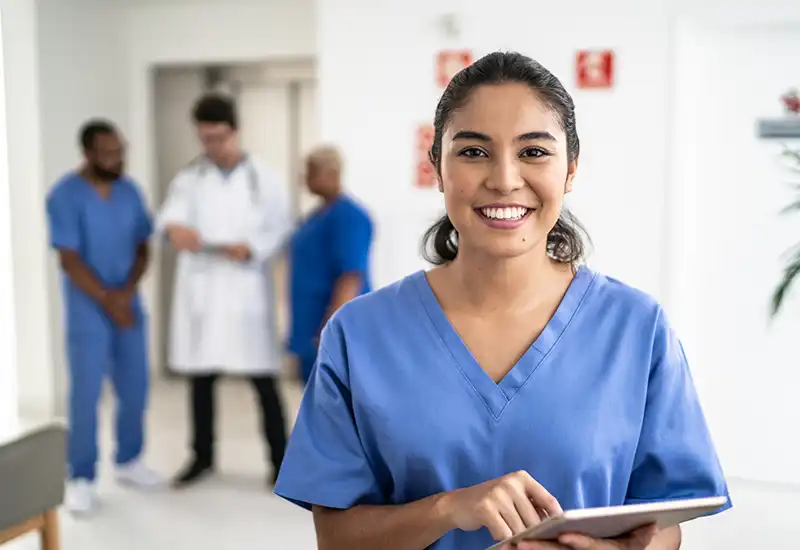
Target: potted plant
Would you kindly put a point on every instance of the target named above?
(792, 268)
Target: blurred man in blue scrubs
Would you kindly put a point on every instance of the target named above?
(329, 257)
(100, 225)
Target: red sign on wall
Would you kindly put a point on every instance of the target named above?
(426, 174)
(595, 69)
(449, 63)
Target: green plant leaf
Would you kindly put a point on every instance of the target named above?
(791, 208)
(792, 269)
(792, 153)
(790, 273)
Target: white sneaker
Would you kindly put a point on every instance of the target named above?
(136, 474)
(80, 498)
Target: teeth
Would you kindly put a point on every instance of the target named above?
(509, 213)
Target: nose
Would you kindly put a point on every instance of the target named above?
(505, 176)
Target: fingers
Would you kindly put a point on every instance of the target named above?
(539, 495)
(639, 539)
(642, 537)
(523, 507)
(494, 521)
(510, 510)
(538, 545)
(578, 542)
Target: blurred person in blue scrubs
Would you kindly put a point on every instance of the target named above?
(99, 224)
(328, 257)
(227, 215)
(465, 403)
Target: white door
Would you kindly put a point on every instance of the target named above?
(264, 120)
(278, 124)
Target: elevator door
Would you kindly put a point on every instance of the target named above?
(277, 126)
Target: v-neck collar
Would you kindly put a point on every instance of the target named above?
(90, 188)
(497, 395)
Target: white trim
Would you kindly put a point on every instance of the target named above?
(9, 409)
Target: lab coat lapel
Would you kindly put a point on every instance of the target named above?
(224, 207)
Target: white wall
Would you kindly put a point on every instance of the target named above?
(8, 339)
(80, 77)
(25, 153)
(641, 165)
(62, 67)
(737, 184)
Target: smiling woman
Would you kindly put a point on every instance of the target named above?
(566, 237)
(464, 404)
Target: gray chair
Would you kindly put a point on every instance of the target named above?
(32, 473)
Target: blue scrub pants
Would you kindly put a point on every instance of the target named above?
(95, 352)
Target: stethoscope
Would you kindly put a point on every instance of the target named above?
(203, 165)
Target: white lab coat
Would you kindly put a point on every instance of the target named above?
(223, 312)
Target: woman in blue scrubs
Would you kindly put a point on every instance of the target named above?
(328, 257)
(458, 406)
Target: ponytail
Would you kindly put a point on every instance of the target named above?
(440, 243)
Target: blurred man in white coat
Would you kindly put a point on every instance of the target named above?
(227, 215)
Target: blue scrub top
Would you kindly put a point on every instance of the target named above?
(333, 241)
(106, 232)
(601, 409)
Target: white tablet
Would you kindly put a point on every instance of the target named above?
(616, 521)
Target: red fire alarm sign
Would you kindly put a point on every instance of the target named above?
(595, 69)
(449, 63)
(426, 174)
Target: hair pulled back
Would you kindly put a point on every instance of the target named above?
(565, 241)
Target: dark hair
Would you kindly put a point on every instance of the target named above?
(215, 108)
(93, 128)
(565, 241)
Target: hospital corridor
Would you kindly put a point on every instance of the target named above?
(399, 275)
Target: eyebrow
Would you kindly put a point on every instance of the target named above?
(530, 136)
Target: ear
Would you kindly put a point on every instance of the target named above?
(573, 168)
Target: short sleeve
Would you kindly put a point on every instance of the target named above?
(325, 463)
(675, 458)
(144, 221)
(352, 236)
(63, 219)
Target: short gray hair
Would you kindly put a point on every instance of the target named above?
(326, 156)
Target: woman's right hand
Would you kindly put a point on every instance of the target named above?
(506, 506)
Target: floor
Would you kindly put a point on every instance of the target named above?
(236, 510)
(234, 506)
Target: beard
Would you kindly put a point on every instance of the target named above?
(107, 174)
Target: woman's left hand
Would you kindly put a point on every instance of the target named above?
(636, 540)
